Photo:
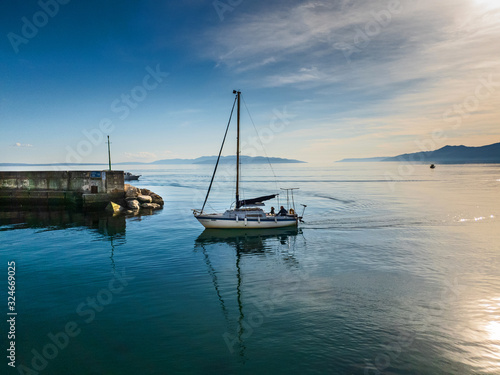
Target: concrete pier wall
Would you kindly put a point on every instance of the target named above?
(80, 188)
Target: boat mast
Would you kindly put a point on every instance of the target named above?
(238, 93)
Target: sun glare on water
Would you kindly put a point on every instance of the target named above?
(493, 329)
(484, 345)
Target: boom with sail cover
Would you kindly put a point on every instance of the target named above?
(255, 201)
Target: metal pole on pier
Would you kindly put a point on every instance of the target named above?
(109, 155)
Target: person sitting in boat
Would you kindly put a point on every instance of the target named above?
(282, 211)
(272, 213)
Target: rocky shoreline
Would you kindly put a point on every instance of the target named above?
(135, 200)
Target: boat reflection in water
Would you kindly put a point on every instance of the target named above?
(251, 240)
(238, 282)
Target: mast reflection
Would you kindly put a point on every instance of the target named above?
(279, 242)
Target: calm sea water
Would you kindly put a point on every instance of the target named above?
(395, 271)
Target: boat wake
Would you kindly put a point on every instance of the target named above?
(345, 201)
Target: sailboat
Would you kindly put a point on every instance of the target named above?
(247, 213)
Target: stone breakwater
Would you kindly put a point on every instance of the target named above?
(135, 200)
(86, 190)
(89, 190)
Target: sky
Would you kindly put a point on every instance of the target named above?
(320, 80)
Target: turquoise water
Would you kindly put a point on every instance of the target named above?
(394, 271)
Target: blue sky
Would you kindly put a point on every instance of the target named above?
(323, 80)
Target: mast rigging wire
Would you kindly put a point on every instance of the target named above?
(218, 158)
(262, 146)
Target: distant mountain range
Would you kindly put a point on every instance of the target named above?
(445, 155)
(201, 160)
(228, 159)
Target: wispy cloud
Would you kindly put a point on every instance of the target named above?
(404, 66)
(146, 156)
(140, 155)
(22, 145)
(418, 41)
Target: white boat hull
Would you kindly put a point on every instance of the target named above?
(218, 222)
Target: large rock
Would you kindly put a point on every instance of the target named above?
(154, 206)
(157, 199)
(144, 199)
(133, 204)
(131, 191)
(146, 192)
